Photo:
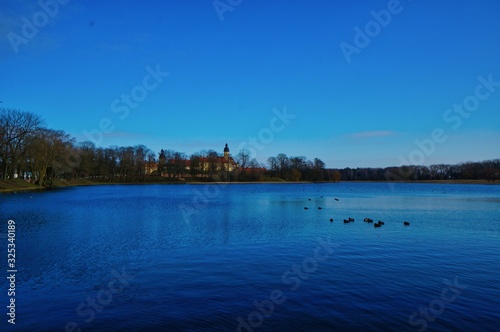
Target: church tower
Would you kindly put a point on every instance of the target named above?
(226, 153)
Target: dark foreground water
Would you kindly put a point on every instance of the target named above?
(250, 257)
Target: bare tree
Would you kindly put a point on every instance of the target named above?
(318, 169)
(243, 159)
(87, 153)
(162, 162)
(179, 164)
(151, 160)
(213, 160)
(16, 131)
(282, 164)
(195, 165)
(273, 165)
(46, 149)
(170, 165)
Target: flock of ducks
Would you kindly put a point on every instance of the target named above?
(378, 224)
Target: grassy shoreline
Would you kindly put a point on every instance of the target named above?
(12, 186)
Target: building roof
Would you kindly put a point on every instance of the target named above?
(219, 160)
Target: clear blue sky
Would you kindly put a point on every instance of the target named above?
(226, 76)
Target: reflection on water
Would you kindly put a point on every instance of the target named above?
(198, 262)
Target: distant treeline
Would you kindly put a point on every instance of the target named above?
(486, 170)
(31, 151)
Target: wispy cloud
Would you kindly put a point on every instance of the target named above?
(371, 134)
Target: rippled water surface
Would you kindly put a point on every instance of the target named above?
(250, 257)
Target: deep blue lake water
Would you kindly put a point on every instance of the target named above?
(250, 258)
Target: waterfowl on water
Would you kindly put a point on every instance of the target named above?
(319, 208)
(337, 199)
(331, 219)
(381, 222)
(351, 219)
(308, 199)
(406, 223)
(368, 220)
(306, 208)
(377, 225)
(346, 221)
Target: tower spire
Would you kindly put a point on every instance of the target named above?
(226, 152)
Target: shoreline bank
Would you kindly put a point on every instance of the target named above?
(13, 186)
